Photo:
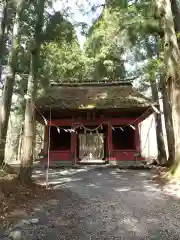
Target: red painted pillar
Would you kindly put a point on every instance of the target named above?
(109, 139)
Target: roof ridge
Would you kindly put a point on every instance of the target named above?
(95, 82)
(91, 84)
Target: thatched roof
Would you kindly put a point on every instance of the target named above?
(92, 96)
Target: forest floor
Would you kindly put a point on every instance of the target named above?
(16, 199)
(94, 203)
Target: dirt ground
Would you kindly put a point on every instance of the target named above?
(101, 203)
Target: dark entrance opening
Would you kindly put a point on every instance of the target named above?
(60, 140)
(123, 138)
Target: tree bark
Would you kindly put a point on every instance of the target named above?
(172, 80)
(168, 120)
(162, 157)
(2, 34)
(9, 82)
(27, 155)
(176, 15)
(29, 123)
(19, 148)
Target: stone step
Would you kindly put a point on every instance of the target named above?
(92, 162)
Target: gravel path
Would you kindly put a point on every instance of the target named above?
(103, 203)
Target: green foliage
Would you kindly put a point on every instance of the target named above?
(61, 60)
(58, 29)
(106, 44)
(123, 26)
(59, 51)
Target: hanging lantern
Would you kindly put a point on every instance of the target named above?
(59, 130)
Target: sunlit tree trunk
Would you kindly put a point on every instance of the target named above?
(19, 145)
(2, 33)
(168, 120)
(162, 157)
(176, 16)
(6, 100)
(29, 123)
(172, 80)
(159, 129)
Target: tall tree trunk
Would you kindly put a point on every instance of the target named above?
(168, 120)
(172, 81)
(2, 33)
(162, 157)
(29, 123)
(19, 148)
(176, 15)
(9, 82)
(18, 142)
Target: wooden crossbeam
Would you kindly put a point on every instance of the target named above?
(102, 82)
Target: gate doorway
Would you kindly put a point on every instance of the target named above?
(91, 146)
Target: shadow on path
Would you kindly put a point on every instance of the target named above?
(103, 203)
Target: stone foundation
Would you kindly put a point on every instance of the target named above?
(126, 163)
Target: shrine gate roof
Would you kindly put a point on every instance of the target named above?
(91, 96)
